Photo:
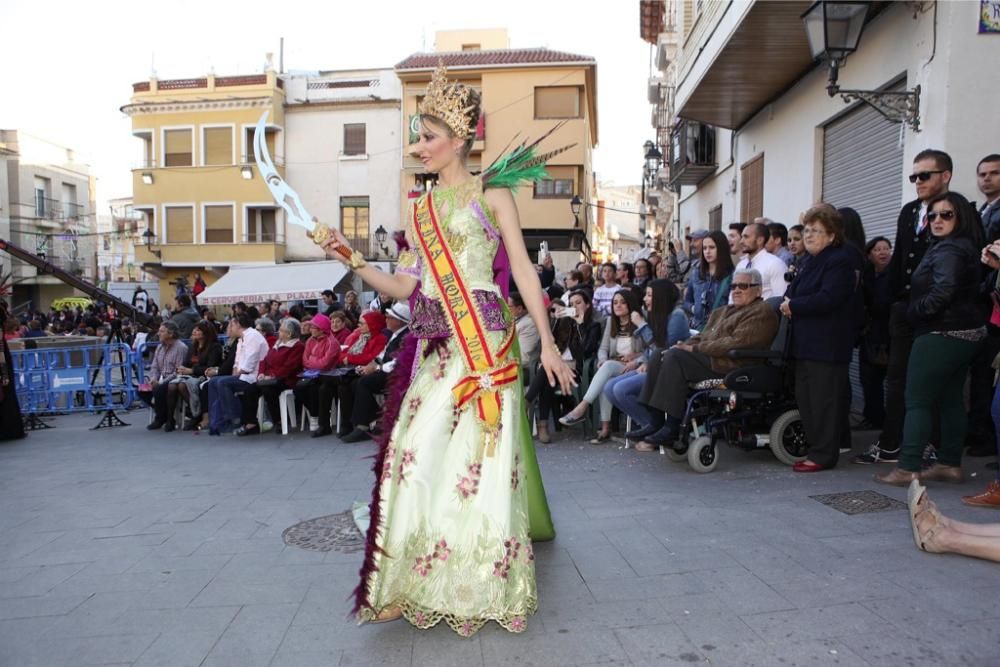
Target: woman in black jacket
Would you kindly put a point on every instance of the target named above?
(821, 306)
(577, 335)
(204, 352)
(949, 324)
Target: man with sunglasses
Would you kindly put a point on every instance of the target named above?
(981, 439)
(749, 322)
(931, 175)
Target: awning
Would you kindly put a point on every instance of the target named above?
(283, 282)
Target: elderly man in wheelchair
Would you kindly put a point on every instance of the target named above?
(736, 371)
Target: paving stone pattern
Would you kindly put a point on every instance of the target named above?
(123, 547)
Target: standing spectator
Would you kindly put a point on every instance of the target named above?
(185, 316)
(821, 308)
(796, 246)
(664, 326)
(588, 275)
(854, 230)
(352, 308)
(620, 351)
(574, 283)
(873, 355)
(708, 285)
(223, 405)
(10, 412)
(772, 269)
(329, 302)
(643, 272)
(527, 334)
(931, 174)
(373, 376)
(278, 371)
(982, 438)
(577, 336)
(169, 355)
(948, 327)
(677, 262)
(735, 236)
(380, 303)
(198, 288)
(777, 242)
(625, 273)
(547, 271)
(274, 313)
(604, 293)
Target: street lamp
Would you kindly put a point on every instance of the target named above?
(833, 29)
(574, 205)
(381, 235)
(149, 237)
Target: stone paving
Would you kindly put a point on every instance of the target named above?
(121, 547)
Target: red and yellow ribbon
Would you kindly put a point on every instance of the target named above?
(485, 377)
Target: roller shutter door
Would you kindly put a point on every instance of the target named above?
(863, 169)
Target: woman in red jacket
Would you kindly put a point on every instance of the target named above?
(277, 372)
(322, 355)
(340, 326)
(362, 346)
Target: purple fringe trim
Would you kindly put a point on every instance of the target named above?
(399, 382)
(484, 221)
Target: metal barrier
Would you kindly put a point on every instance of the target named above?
(97, 378)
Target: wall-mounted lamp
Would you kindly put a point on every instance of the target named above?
(147, 177)
(833, 28)
(574, 205)
(149, 238)
(380, 236)
(246, 171)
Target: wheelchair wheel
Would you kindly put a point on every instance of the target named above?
(702, 454)
(788, 438)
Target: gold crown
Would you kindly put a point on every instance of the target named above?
(449, 101)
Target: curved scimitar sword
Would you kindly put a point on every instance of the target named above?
(284, 195)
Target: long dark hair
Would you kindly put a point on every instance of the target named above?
(854, 230)
(967, 223)
(665, 297)
(633, 307)
(209, 336)
(588, 317)
(723, 258)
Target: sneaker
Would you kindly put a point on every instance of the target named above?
(875, 454)
(266, 426)
(930, 457)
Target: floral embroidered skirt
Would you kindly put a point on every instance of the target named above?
(453, 530)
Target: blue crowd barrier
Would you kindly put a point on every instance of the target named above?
(91, 378)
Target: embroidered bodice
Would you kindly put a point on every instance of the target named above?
(471, 233)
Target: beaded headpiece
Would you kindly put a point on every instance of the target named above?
(449, 101)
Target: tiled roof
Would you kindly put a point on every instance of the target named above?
(490, 58)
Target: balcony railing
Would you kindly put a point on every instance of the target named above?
(54, 209)
(692, 153)
(264, 237)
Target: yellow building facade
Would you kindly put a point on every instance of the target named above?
(196, 182)
(525, 92)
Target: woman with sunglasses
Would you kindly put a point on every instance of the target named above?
(949, 324)
(820, 304)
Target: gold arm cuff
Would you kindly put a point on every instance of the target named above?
(357, 260)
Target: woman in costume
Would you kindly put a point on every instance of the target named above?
(458, 497)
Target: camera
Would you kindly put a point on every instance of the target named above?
(791, 273)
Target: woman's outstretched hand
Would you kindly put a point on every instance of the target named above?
(557, 370)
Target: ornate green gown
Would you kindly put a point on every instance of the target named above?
(456, 502)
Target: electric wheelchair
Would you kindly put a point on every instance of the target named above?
(752, 407)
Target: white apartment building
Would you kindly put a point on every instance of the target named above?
(46, 207)
(754, 131)
(343, 156)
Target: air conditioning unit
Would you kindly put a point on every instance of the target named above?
(653, 91)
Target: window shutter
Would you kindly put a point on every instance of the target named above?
(354, 139)
(218, 224)
(180, 224)
(218, 145)
(557, 102)
(177, 148)
(752, 189)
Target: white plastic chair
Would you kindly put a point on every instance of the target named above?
(286, 404)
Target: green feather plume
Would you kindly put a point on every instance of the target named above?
(521, 165)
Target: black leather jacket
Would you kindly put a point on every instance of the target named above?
(944, 288)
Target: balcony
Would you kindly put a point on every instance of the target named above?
(692, 153)
(47, 208)
(740, 57)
